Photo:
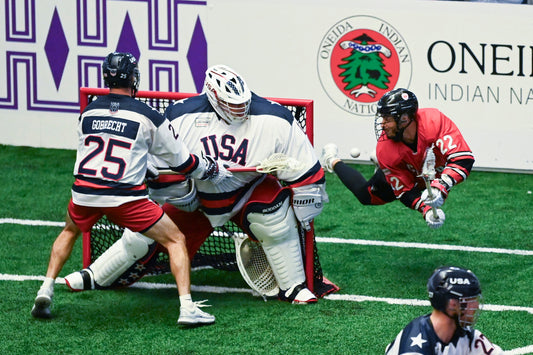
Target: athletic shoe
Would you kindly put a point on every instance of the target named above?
(80, 280)
(297, 294)
(330, 153)
(195, 316)
(43, 302)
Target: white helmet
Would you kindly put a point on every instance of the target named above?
(227, 93)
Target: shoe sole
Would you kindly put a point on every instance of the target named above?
(41, 308)
(193, 323)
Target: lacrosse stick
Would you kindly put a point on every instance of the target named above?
(428, 174)
(275, 162)
(253, 265)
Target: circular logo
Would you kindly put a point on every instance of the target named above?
(360, 59)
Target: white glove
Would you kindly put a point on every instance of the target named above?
(436, 200)
(151, 171)
(308, 202)
(433, 222)
(214, 171)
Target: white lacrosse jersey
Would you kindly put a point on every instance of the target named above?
(270, 128)
(116, 133)
(419, 338)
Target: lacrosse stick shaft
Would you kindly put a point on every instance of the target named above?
(233, 170)
(430, 194)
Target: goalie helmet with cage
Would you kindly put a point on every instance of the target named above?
(227, 93)
(395, 104)
(451, 282)
(120, 70)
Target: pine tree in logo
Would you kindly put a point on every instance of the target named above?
(364, 66)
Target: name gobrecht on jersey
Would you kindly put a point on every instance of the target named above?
(419, 338)
(115, 135)
(270, 128)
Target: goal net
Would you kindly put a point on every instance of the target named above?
(218, 251)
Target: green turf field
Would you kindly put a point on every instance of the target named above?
(491, 213)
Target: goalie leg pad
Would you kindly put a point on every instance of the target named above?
(119, 257)
(275, 226)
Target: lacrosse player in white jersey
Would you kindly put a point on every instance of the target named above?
(239, 129)
(116, 134)
(455, 295)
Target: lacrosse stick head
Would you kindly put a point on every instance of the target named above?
(278, 161)
(428, 168)
(254, 267)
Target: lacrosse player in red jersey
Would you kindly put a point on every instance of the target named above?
(116, 134)
(239, 129)
(455, 295)
(407, 136)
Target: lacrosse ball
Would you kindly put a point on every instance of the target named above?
(355, 152)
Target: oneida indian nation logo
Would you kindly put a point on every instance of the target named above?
(361, 58)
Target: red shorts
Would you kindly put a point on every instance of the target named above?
(138, 216)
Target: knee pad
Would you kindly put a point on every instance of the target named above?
(109, 266)
(274, 225)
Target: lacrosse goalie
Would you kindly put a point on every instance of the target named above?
(239, 129)
(420, 155)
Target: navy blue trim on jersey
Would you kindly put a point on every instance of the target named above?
(113, 125)
(106, 183)
(188, 166)
(194, 104)
(314, 170)
(262, 106)
(231, 198)
(116, 103)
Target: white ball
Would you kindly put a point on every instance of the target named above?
(355, 152)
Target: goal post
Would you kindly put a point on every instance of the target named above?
(218, 251)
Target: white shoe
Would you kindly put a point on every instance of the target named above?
(195, 316)
(80, 280)
(43, 302)
(297, 294)
(330, 153)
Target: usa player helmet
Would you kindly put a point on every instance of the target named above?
(395, 103)
(452, 282)
(227, 93)
(120, 70)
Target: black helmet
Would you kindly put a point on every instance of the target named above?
(451, 282)
(120, 70)
(395, 103)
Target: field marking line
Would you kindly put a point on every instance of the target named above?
(424, 246)
(336, 240)
(220, 290)
(334, 297)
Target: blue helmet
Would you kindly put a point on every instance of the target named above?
(120, 70)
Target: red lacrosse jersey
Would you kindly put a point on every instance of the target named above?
(403, 167)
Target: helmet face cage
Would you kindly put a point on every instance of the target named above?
(227, 93)
(395, 104)
(470, 308)
(456, 283)
(120, 70)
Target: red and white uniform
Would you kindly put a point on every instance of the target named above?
(270, 128)
(402, 166)
(116, 134)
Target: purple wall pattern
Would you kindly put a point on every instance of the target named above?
(21, 21)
